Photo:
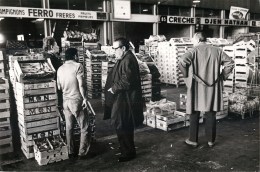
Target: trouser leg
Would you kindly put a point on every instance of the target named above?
(82, 120)
(210, 126)
(194, 126)
(126, 142)
(69, 130)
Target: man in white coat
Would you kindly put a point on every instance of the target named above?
(201, 67)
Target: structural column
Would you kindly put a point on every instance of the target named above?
(47, 22)
(222, 28)
(155, 25)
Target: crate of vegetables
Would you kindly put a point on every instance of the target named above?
(50, 150)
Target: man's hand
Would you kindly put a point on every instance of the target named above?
(110, 90)
(84, 103)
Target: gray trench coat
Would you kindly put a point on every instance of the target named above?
(204, 78)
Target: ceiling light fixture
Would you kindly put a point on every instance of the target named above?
(100, 8)
(145, 10)
(39, 19)
(196, 1)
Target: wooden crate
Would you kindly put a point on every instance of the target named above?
(27, 148)
(2, 70)
(39, 126)
(151, 120)
(4, 89)
(23, 105)
(42, 88)
(36, 110)
(6, 145)
(56, 150)
(30, 57)
(23, 118)
(5, 130)
(38, 135)
(33, 99)
(168, 127)
(31, 74)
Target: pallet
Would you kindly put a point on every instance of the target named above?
(28, 89)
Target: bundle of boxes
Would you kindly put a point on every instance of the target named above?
(6, 145)
(93, 72)
(168, 58)
(163, 115)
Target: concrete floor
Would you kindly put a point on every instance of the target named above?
(236, 149)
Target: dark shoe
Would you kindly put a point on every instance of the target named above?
(190, 143)
(125, 158)
(71, 156)
(81, 157)
(211, 144)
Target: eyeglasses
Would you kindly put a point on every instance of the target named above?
(116, 48)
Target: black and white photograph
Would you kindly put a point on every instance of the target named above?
(130, 85)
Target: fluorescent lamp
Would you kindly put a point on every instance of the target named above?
(100, 8)
(39, 19)
(145, 10)
(196, 1)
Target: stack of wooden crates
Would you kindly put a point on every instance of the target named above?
(36, 105)
(6, 145)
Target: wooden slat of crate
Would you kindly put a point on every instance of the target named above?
(4, 104)
(5, 130)
(36, 86)
(23, 118)
(6, 148)
(38, 135)
(37, 129)
(4, 120)
(35, 111)
(4, 113)
(163, 125)
(6, 140)
(36, 98)
(35, 105)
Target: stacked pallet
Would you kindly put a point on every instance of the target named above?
(93, 72)
(5, 127)
(146, 84)
(168, 57)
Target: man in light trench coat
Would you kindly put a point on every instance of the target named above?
(201, 67)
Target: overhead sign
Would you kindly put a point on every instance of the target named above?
(238, 13)
(177, 20)
(122, 9)
(216, 21)
(254, 23)
(49, 13)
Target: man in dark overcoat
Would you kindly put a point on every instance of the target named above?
(123, 98)
(203, 75)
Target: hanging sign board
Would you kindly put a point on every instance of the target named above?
(122, 9)
(235, 22)
(238, 13)
(254, 23)
(177, 20)
(49, 13)
(210, 21)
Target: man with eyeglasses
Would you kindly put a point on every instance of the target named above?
(123, 98)
(201, 67)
